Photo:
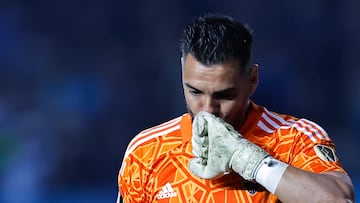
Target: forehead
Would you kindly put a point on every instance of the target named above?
(217, 76)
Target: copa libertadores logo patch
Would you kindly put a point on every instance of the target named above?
(325, 153)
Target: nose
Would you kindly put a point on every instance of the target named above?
(211, 105)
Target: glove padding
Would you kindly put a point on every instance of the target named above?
(219, 148)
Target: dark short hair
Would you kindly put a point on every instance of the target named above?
(216, 38)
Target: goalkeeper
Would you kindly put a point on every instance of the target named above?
(227, 148)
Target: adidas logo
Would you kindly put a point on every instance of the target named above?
(166, 192)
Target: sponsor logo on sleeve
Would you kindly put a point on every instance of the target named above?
(325, 153)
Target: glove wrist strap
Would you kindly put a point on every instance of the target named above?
(247, 159)
(270, 172)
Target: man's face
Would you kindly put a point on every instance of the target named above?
(219, 89)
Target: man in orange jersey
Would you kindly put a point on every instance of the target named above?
(227, 148)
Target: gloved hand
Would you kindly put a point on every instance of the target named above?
(219, 148)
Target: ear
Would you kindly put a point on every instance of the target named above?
(254, 78)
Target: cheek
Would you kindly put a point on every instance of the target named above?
(227, 107)
(231, 109)
(187, 97)
(191, 101)
(193, 104)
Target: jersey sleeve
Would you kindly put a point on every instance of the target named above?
(313, 150)
(134, 170)
(129, 179)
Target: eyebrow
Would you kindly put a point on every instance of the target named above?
(230, 89)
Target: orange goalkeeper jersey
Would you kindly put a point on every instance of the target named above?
(155, 165)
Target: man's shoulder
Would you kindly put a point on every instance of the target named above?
(280, 124)
(154, 136)
(162, 128)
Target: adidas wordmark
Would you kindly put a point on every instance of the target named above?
(166, 192)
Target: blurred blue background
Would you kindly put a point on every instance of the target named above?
(78, 79)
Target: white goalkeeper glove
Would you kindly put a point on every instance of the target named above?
(219, 149)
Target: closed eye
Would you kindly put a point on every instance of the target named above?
(195, 92)
(225, 95)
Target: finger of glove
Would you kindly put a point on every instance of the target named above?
(218, 127)
(200, 140)
(199, 125)
(200, 146)
(222, 143)
(198, 168)
(196, 149)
